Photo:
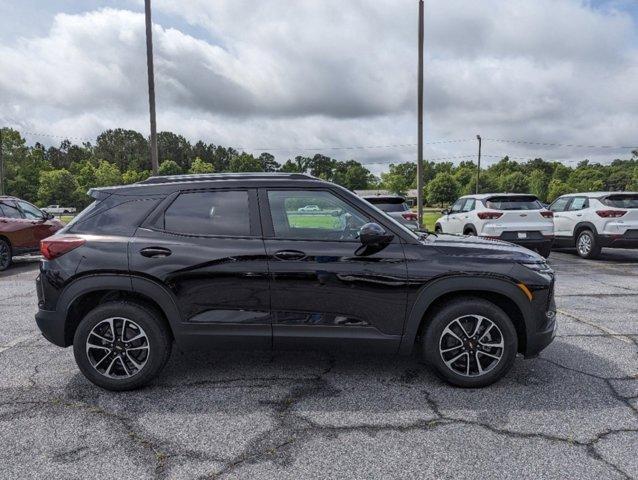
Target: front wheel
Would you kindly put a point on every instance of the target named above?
(587, 246)
(470, 343)
(121, 345)
(438, 229)
(6, 255)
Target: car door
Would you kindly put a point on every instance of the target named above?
(15, 227)
(466, 212)
(40, 227)
(454, 220)
(325, 288)
(561, 220)
(205, 246)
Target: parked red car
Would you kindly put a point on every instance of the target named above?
(22, 226)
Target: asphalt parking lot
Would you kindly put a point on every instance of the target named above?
(572, 413)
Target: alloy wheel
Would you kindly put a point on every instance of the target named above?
(584, 244)
(471, 345)
(117, 348)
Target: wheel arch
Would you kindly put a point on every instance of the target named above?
(503, 293)
(469, 227)
(85, 293)
(584, 226)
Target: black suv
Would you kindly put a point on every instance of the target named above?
(279, 261)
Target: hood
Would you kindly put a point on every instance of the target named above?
(461, 245)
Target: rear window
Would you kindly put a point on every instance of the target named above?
(389, 204)
(621, 201)
(116, 215)
(514, 203)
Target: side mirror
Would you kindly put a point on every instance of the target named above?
(47, 215)
(373, 235)
(445, 212)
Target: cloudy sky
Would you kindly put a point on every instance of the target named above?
(294, 76)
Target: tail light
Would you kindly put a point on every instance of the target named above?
(410, 216)
(611, 213)
(54, 247)
(489, 215)
(547, 214)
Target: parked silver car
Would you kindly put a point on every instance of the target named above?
(396, 207)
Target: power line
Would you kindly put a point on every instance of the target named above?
(569, 145)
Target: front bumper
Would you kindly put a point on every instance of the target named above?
(542, 329)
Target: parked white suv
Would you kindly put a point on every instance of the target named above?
(58, 209)
(591, 221)
(513, 217)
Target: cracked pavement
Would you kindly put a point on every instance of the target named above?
(572, 412)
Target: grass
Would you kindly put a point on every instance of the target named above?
(65, 218)
(429, 218)
(313, 221)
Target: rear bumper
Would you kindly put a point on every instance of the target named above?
(534, 239)
(627, 240)
(51, 324)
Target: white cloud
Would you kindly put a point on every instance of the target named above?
(277, 73)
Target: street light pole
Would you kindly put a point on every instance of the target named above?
(419, 164)
(478, 166)
(1, 165)
(151, 85)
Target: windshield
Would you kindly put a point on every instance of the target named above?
(513, 203)
(622, 201)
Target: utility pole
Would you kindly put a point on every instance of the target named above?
(151, 85)
(478, 166)
(419, 163)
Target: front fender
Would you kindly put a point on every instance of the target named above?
(475, 283)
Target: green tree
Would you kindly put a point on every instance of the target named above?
(133, 176)
(107, 174)
(352, 175)
(515, 182)
(442, 189)
(245, 162)
(169, 167)
(268, 163)
(556, 189)
(57, 187)
(200, 166)
(400, 178)
(125, 148)
(539, 184)
(171, 146)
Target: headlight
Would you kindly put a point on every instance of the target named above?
(540, 267)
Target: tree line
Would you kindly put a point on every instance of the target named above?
(62, 175)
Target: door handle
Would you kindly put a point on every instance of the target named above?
(579, 214)
(289, 255)
(155, 252)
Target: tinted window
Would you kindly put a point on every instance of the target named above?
(469, 205)
(392, 207)
(30, 211)
(578, 203)
(513, 203)
(335, 220)
(8, 209)
(559, 205)
(457, 205)
(209, 213)
(621, 201)
(119, 216)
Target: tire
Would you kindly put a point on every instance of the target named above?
(438, 229)
(470, 232)
(586, 245)
(545, 250)
(6, 254)
(149, 353)
(466, 313)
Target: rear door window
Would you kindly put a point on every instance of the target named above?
(224, 213)
(621, 201)
(469, 205)
(578, 203)
(8, 209)
(513, 203)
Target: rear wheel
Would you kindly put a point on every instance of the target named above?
(470, 343)
(121, 345)
(587, 246)
(545, 250)
(6, 255)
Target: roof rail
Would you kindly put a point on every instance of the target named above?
(221, 176)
